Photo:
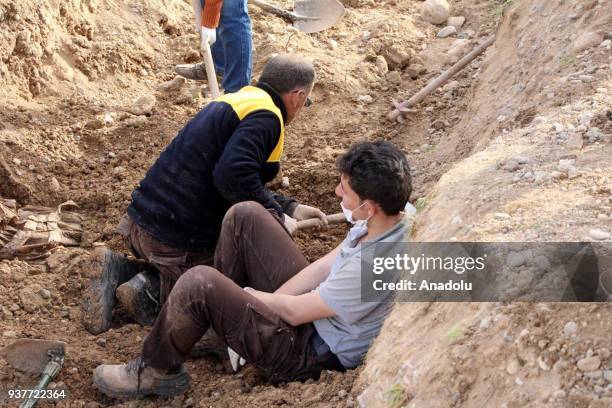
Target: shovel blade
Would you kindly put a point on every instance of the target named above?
(320, 14)
(31, 355)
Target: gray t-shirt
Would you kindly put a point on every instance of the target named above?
(350, 333)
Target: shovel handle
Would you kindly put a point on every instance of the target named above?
(313, 222)
(211, 75)
(51, 369)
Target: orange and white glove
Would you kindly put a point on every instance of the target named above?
(207, 35)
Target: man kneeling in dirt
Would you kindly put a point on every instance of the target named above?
(292, 320)
(223, 156)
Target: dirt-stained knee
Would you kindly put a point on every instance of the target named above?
(243, 210)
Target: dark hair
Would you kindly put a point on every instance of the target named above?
(285, 72)
(378, 171)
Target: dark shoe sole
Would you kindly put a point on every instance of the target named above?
(140, 297)
(164, 389)
(99, 297)
(106, 270)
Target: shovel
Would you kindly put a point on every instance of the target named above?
(44, 357)
(210, 71)
(309, 16)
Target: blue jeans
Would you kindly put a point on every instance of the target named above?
(233, 50)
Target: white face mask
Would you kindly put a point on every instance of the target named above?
(360, 227)
(348, 214)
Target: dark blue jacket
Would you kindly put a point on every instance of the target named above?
(224, 155)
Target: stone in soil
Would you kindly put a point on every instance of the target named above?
(435, 11)
(570, 328)
(456, 21)
(588, 364)
(598, 234)
(586, 40)
(143, 105)
(447, 32)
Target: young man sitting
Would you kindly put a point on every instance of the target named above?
(292, 320)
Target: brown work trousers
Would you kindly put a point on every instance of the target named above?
(170, 262)
(253, 250)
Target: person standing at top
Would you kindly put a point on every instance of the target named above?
(226, 26)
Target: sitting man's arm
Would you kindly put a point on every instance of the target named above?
(237, 173)
(310, 277)
(295, 310)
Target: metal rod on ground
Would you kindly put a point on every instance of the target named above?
(275, 10)
(210, 71)
(313, 222)
(404, 107)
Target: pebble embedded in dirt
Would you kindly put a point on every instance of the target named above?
(173, 85)
(456, 21)
(95, 124)
(54, 185)
(574, 141)
(381, 65)
(588, 364)
(143, 105)
(559, 394)
(396, 56)
(447, 32)
(394, 78)
(135, 121)
(513, 366)
(367, 99)
(567, 167)
(598, 234)
(586, 40)
(512, 165)
(586, 118)
(30, 298)
(435, 11)
(457, 50)
(44, 293)
(570, 328)
(450, 86)
(101, 342)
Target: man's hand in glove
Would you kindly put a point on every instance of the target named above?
(290, 224)
(306, 212)
(207, 35)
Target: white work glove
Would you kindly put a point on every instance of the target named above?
(207, 35)
(290, 224)
(306, 212)
(235, 360)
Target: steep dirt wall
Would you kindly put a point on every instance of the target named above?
(536, 135)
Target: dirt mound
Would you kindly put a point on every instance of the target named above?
(537, 140)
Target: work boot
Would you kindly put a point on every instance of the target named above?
(136, 380)
(191, 71)
(107, 270)
(140, 297)
(212, 344)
